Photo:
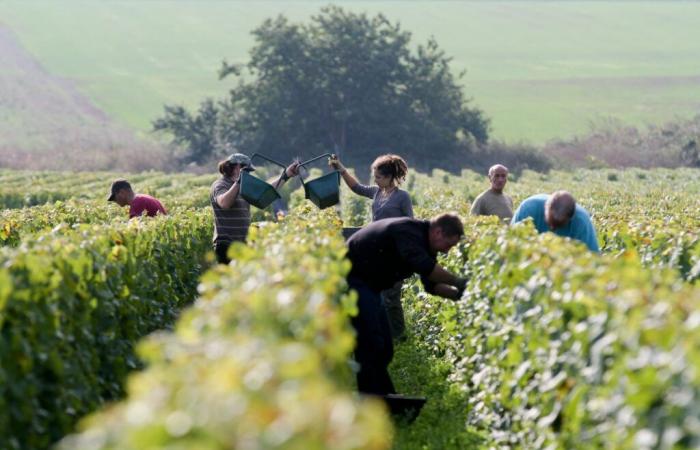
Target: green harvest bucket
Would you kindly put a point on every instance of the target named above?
(325, 190)
(255, 191)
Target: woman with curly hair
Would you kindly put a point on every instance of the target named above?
(388, 201)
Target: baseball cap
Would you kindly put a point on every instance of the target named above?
(243, 160)
(118, 185)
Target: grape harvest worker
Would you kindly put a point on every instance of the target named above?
(231, 211)
(388, 201)
(493, 202)
(382, 254)
(122, 194)
(560, 214)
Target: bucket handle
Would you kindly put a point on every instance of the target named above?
(260, 155)
(312, 160)
(284, 168)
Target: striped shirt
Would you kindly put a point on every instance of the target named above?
(230, 224)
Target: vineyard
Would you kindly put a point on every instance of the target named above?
(124, 334)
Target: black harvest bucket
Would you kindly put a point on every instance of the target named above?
(255, 191)
(403, 407)
(323, 191)
(349, 231)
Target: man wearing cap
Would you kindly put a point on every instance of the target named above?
(560, 214)
(383, 253)
(231, 211)
(493, 202)
(122, 195)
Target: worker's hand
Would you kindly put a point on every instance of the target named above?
(292, 170)
(335, 163)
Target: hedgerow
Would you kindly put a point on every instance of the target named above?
(260, 361)
(73, 301)
(556, 347)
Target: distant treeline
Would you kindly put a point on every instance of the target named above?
(615, 144)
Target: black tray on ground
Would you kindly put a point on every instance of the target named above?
(349, 231)
(403, 407)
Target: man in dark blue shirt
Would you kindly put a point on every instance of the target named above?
(383, 253)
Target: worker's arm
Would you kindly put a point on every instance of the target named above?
(350, 180)
(446, 291)
(440, 275)
(436, 280)
(443, 283)
(291, 171)
(226, 199)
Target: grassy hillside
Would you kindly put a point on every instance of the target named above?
(539, 69)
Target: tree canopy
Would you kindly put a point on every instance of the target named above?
(343, 82)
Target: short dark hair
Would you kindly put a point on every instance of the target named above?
(449, 223)
(118, 185)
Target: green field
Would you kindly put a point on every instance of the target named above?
(539, 69)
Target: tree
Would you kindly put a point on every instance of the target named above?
(199, 136)
(344, 82)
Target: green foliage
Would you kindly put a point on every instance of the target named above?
(197, 136)
(345, 81)
(73, 301)
(645, 211)
(557, 347)
(9, 233)
(657, 243)
(551, 345)
(355, 210)
(18, 224)
(19, 189)
(260, 361)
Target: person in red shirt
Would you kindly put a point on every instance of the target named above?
(123, 195)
